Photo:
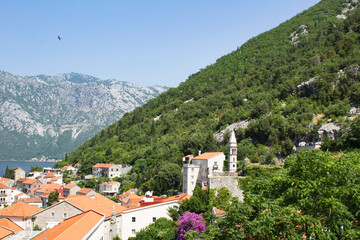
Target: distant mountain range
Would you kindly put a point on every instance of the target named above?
(50, 115)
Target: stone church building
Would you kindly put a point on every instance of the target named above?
(206, 170)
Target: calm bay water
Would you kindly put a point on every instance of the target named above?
(26, 165)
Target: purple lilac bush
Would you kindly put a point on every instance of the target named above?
(190, 221)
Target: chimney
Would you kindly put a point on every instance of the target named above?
(199, 152)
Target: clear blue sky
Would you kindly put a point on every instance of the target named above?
(143, 42)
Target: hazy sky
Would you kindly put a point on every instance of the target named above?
(144, 42)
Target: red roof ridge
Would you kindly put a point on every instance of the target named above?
(207, 155)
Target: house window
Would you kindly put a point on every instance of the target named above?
(133, 219)
(65, 215)
(154, 219)
(133, 231)
(52, 214)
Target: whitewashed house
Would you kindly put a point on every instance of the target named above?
(21, 214)
(109, 189)
(6, 195)
(150, 209)
(110, 170)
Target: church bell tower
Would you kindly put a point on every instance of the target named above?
(232, 157)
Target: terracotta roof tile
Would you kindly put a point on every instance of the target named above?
(31, 200)
(19, 210)
(158, 200)
(84, 190)
(4, 180)
(5, 232)
(29, 181)
(109, 183)
(48, 175)
(21, 179)
(104, 165)
(2, 186)
(207, 155)
(7, 223)
(76, 227)
(69, 186)
(99, 203)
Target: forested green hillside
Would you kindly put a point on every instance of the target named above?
(257, 81)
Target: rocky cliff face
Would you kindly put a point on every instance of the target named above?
(50, 115)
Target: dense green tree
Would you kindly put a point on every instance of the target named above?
(36, 168)
(169, 177)
(9, 173)
(314, 191)
(53, 197)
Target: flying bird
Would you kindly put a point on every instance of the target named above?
(59, 38)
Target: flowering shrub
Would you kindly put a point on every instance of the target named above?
(190, 221)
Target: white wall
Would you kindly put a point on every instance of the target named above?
(143, 217)
(190, 176)
(97, 232)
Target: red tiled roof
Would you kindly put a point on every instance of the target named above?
(84, 190)
(49, 175)
(76, 227)
(69, 186)
(10, 225)
(109, 183)
(207, 155)
(2, 186)
(31, 200)
(103, 165)
(99, 203)
(158, 200)
(29, 181)
(19, 210)
(21, 179)
(4, 180)
(5, 232)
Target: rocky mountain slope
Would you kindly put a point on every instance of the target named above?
(278, 90)
(51, 115)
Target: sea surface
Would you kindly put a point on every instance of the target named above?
(24, 164)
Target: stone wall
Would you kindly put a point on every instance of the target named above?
(231, 182)
(55, 214)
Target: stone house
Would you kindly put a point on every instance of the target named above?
(70, 189)
(75, 205)
(206, 170)
(19, 173)
(21, 214)
(46, 189)
(86, 192)
(30, 185)
(110, 170)
(109, 189)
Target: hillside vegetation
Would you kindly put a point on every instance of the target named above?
(258, 81)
